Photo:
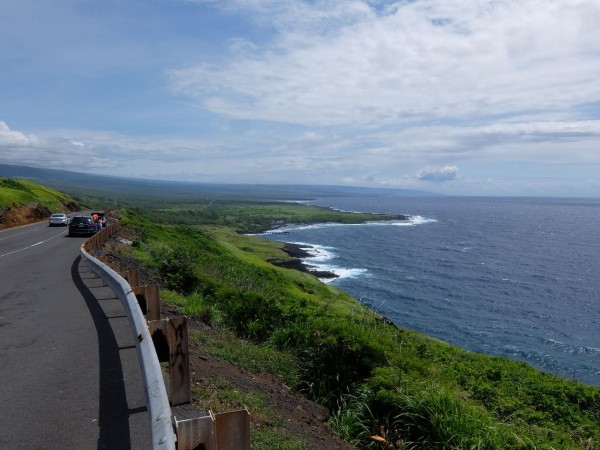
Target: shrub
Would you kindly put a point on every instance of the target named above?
(177, 269)
(248, 313)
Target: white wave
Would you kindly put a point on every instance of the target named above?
(318, 253)
(574, 349)
(294, 227)
(319, 259)
(344, 273)
(302, 202)
(419, 220)
(412, 221)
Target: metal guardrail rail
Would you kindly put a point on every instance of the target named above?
(157, 401)
(221, 431)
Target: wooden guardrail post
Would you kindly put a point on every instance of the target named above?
(131, 276)
(111, 262)
(149, 299)
(222, 431)
(170, 338)
(233, 430)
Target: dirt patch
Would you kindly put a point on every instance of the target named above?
(22, 215)
(297, 415)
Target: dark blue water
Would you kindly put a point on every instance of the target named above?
(511, 277)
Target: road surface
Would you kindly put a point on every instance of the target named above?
(69, 377)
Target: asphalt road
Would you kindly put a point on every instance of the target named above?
(69, 377)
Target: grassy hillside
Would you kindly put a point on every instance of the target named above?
(24, 201)
(387, 387)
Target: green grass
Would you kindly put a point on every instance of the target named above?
(377, 378)
(23, 193)
(254, 357)
(265, 438)
(219, 396)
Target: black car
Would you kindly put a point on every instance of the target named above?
(82, 225)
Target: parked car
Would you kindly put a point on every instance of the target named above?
(58, 219)
(97, 214)
(82, 225)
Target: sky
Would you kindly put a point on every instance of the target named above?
(460, 97)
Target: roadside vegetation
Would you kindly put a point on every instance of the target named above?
(386, 387)
(23, 202)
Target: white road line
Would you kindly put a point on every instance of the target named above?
(29, 225)
(33, 245)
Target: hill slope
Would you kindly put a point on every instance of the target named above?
(23, 202)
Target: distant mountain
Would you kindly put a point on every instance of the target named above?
(78, 184)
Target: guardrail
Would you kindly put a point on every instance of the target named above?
(223, 431)
(157, 401)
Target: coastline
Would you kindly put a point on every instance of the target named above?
(297, 252)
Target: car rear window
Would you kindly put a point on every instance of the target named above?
(81, 220)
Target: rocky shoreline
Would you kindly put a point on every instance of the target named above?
(299, 252)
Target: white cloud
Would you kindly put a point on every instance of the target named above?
(15, 139)
(51, 152)
(438, 174)
(423, 59)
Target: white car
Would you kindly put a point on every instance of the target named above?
(58, 219)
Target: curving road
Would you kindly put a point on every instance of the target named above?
(69, 377)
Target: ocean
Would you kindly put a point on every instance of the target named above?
(512, 277)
